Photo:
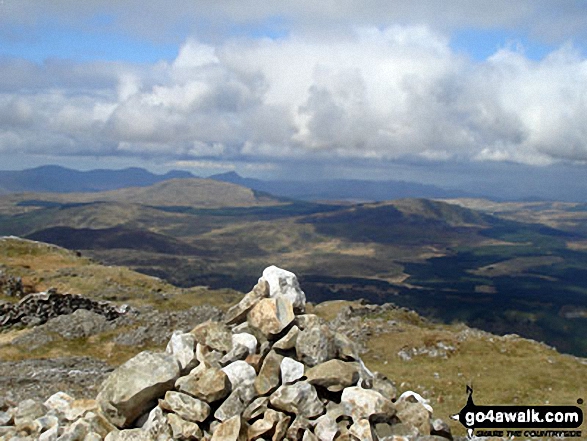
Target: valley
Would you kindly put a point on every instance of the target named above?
(502, 267)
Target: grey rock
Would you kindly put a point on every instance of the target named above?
(304, 321)
(128, 435)
(240, 374)
(50, 434)
(346, 349)
(6, 418)
(76, 432)
(134, 387)
(247, 340)
(315, 345)
(291, 370)
(384, 386)
(233, 405)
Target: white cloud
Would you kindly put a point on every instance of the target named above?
(377, 93)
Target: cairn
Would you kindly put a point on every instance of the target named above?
(268, 371)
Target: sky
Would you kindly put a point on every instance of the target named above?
(428, 91)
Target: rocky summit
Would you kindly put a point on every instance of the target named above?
(267, 371)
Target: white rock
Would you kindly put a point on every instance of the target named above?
(50, 435)
(240, 373)
(326, 428)
(181, 346)
(60, 402)
(414, 397)
(361, 404)
(284, 283)
(245, 339)
(291, 370)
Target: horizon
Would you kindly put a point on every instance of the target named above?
(446, 95)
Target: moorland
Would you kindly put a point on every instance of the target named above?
(504, 267)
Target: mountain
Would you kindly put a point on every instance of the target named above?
(445, 261)
(342, 189)
(52, 178)
(192, 192)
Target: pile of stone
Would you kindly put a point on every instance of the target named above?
(37, 308)
(269, 371)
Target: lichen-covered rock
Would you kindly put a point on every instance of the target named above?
(189, 408)
(315, 345)
(134, 387)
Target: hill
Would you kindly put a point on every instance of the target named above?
(342, 189)
(52, 178)
(435, 360)
(446, 261)
(192, 192)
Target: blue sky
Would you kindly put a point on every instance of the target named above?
(272, 88)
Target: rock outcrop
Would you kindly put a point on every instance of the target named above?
(269, 371)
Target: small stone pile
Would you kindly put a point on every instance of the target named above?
(37, 308)
(269, 371)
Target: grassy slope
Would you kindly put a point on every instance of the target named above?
(503, 370)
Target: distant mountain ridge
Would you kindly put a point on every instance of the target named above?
(56, 179)
(342, 189)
